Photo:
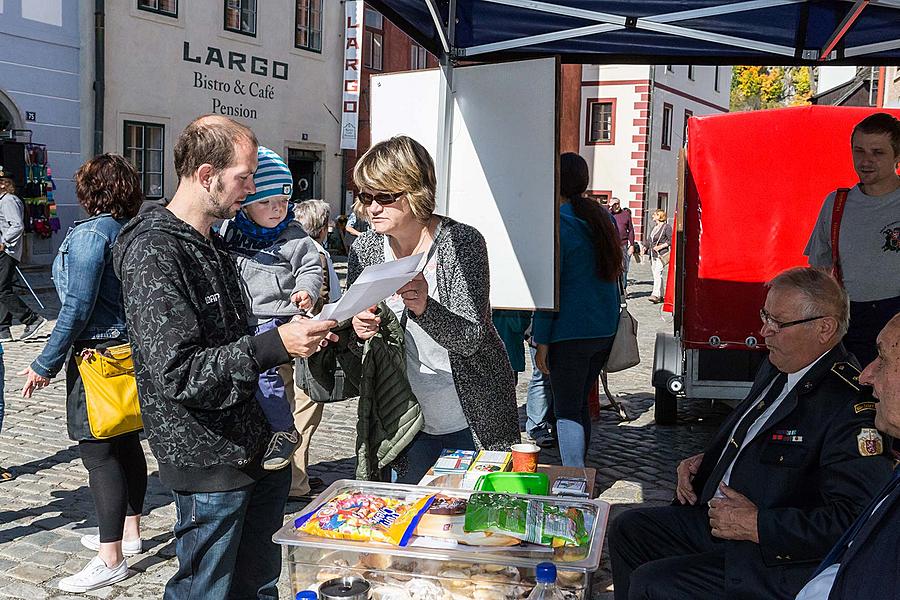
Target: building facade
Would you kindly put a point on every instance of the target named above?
(274, 66)
(633, 124)
(892, 87)
(41, 114)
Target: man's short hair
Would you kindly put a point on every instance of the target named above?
(881, 123)
(210, 139)
(823, 295)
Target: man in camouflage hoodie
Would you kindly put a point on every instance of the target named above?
(197, 369)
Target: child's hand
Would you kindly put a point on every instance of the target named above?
(302, 300)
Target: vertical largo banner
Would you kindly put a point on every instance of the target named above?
(352, 65)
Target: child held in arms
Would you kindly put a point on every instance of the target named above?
(281, 275)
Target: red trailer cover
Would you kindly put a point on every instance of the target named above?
(754, 185)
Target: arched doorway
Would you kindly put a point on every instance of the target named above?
(10, 117)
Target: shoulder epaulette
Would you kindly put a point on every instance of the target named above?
(847, 373)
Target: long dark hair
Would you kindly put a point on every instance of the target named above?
(573, 181)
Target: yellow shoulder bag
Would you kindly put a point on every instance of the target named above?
(110, 390)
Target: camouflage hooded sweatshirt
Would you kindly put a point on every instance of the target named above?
(196, 367)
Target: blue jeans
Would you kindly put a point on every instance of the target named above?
(539, 401)
(270, 392)
(426, 448)
(574, 368)
(223, 541)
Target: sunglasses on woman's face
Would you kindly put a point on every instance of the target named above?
(366, 199)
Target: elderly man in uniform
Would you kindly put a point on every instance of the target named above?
(786, 475)
(863, 564)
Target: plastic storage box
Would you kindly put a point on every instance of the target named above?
(430, 569)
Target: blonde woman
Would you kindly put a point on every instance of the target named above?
(660, 242)
(456, 364)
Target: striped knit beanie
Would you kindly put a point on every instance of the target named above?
(272, 177)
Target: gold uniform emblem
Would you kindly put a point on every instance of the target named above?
(869, 442)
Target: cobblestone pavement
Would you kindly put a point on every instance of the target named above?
(44, 512)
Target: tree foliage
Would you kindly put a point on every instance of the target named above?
(755, 87)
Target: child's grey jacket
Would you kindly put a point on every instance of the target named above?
(269, 276)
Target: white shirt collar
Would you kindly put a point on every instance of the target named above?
(794, 378)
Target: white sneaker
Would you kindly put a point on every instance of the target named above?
(129, 547)
(95, 575)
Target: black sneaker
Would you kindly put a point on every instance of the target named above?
(33, 328)
(6, 335)
(281, 447)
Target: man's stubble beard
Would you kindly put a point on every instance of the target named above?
(215, 207)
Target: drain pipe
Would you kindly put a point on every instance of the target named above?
(99, 72)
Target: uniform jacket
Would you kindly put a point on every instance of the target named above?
(808, 473)
(461, 323)
(388, 414)
(870, 566)
(196, 367)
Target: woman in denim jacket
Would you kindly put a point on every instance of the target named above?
(92, 313)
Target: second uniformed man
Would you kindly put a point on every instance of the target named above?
(787, 473)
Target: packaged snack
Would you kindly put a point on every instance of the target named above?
(446, 519)
(365, 517)
(535, 521)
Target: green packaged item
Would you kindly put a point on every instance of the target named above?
(528, 519)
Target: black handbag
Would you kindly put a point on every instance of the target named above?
(321, 391)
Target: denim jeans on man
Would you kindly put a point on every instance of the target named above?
(223, 541)
(539, 401)
(574, 368)
(88, 289)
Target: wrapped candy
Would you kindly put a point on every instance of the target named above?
(365, 517)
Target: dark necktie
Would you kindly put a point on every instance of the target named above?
(733, 446)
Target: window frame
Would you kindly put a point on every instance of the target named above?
(612, 121)
(369, 33)
(419, 52)
(666, 137)
(716, 79)
(687, 114)
(241, 9)
(142, 172)
(310, 33)
(157, 10)
(662, 198)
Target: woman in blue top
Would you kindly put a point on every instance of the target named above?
(93, 315)
(573, 344)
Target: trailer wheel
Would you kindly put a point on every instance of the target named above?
(665, 409)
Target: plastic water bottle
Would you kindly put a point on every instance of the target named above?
(307, 595)
(546, 589)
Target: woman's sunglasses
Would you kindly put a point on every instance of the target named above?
(383, 199)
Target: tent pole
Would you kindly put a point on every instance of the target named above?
(445, 117)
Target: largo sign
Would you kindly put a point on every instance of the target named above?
(352, 61)
(237, 61)
(238, 89)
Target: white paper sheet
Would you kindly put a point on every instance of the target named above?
(373, 285)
